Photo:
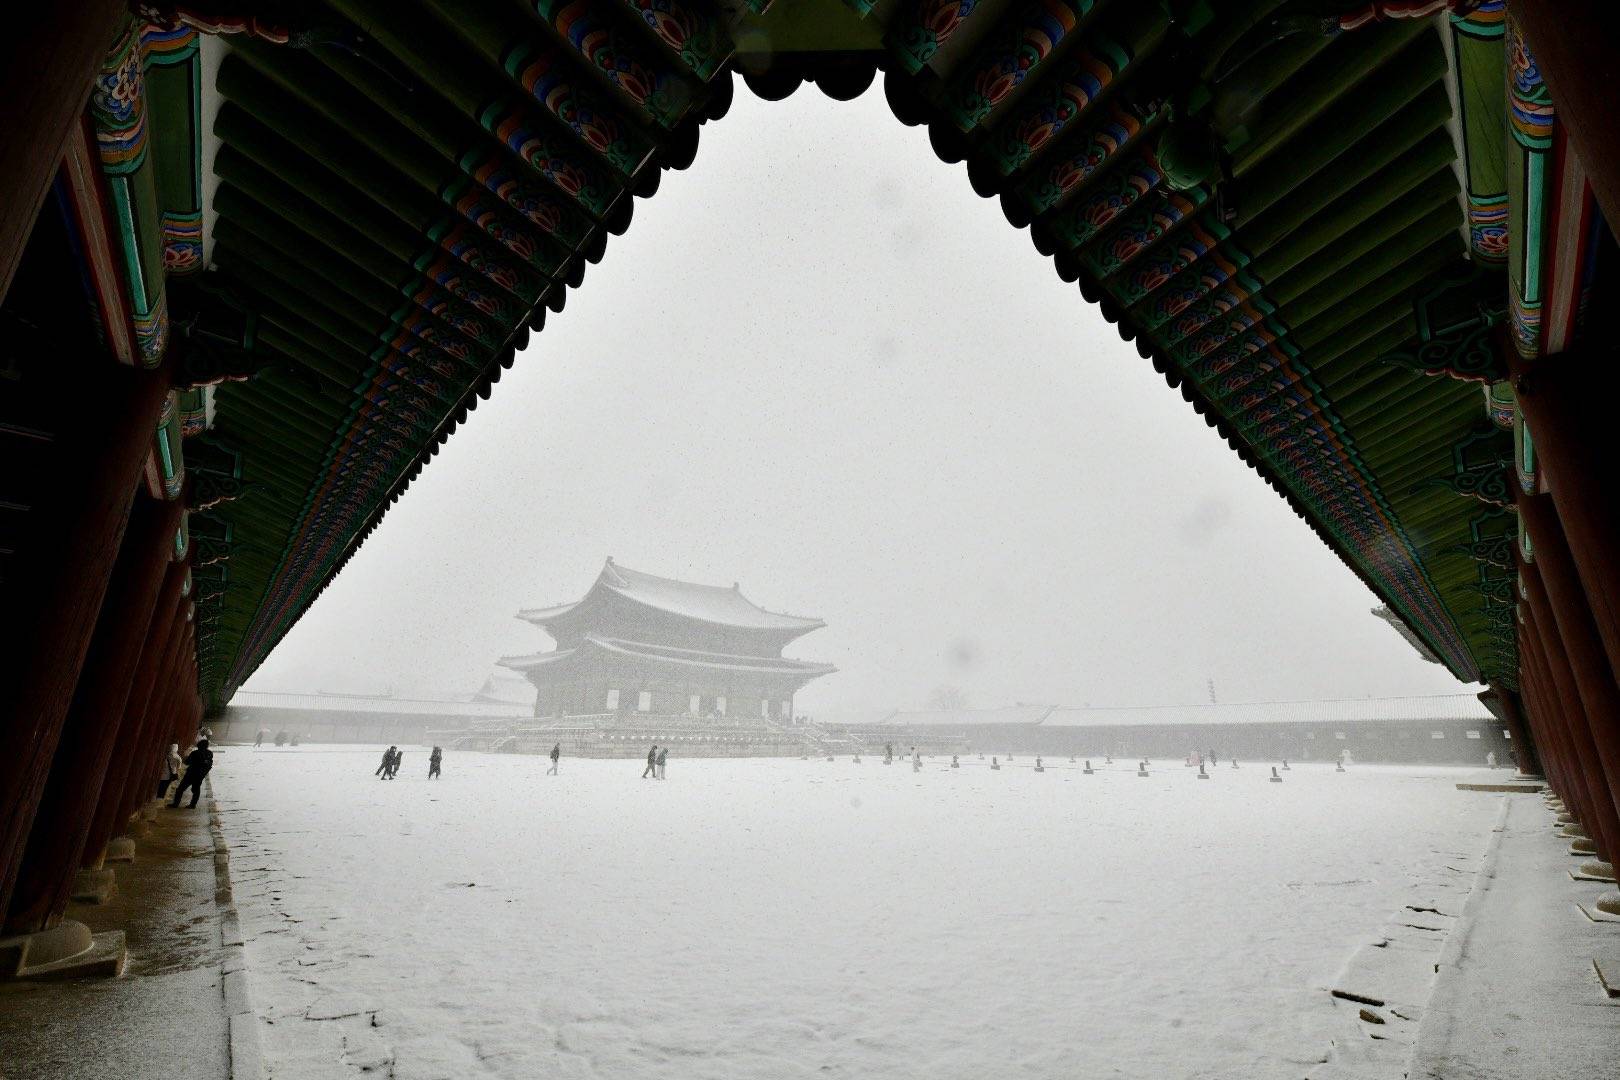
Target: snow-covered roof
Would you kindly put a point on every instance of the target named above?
(365, 703)
(1011, 714)
(715, 604)
(506, 687)
(772, 665)
(533, 660)
(1395, 709)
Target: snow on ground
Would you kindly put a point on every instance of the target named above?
(777, 919)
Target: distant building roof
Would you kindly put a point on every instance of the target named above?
(1012, 714)
(715, 604)
(1410, 709)
(504, 687)
(362, 703)
(772, 665)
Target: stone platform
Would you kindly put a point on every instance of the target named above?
(1519, 991)
(165, 1017)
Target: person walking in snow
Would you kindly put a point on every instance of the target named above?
(652, 763)
(399, 759)
(258, 740)
(198, 762)
(663, 756)
(388, 759)
(173, 763)
(435, 760)
(556, 755)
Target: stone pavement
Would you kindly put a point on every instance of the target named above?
(1516, 995)
(165, 1018)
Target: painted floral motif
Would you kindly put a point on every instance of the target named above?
(1117, 192)
(556, 165)
(452, 278)
(472, 206)
(1141, 230)
(1008, 60)
(118, 108)
(619, 60)
(466, 246)
(1530, 107)
(689, 31)
(1056, 103)
(1168, 260)
(1187, 288)
(1114, 131)
(546, 75)
(1488, 229)
(917, 38)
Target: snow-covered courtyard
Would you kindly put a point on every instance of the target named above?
(783, 918)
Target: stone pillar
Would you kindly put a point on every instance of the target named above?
(1566, 402)
(1577, 48)
(51, 55)
(90, 730)
(122, 766)
(1599, 814)
(104, 438)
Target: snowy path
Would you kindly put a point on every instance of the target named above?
(777, 919)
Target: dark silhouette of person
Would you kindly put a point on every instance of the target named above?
(198, 763)
(399, 758)
(258, 740)
(388, 759)
(435, 761)
(652, 763)
(663, 756)
(556, 755)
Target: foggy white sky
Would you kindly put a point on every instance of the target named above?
(819, 365)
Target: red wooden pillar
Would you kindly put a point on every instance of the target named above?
(106, 822)
(1556, 575)
(1598, 814)
(1524, 746)
(104, 439)
(1577, 49)
(1566, 400)
(155, 737)
(161, 725)
(68, 805)
(51, 54)
(1549, 712)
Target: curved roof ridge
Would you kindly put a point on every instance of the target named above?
(687, 598)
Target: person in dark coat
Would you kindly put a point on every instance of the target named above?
(399, 759)
(198, 763)
(652, 763)
(556, 756)
(435, 760)
(663, 756)
(388, 759)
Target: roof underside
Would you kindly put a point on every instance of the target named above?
(406, 187)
